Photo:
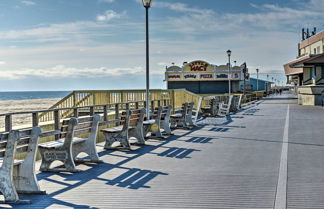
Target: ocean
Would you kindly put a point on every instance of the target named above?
(21, 95)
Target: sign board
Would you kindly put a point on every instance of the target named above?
(190, 76)
(206, 76)
(198, 66)
(174, 76)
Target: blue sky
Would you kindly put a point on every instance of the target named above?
(99, 44)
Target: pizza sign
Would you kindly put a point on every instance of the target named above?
(206, 76)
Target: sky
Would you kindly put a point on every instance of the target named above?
(100, 44)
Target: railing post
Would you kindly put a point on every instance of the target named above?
(35, 119)
(152, 105)
(74, 99)
(92, 110)
(56, 122)
(8, 123)
(117, 112)
(75, 112)
(105, 116)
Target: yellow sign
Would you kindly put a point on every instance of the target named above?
(154, 127)
(198, 66)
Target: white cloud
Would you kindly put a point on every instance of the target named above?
(109, 15)
(55, 32)
(107, 1)
(181, 7)
(61, 71)
(28, 3)
(2, 62)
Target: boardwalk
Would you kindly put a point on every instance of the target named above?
(270, 155)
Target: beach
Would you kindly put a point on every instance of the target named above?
(9, 106)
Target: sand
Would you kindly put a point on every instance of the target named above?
(10, 106)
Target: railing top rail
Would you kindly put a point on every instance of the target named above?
(71, 108)
(118, 90)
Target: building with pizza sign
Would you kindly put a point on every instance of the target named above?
(200, 77)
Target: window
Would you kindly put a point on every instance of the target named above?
(314, 50)
(318, 49)
(322, 69)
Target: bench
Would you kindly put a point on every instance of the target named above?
(165, 119)
(183, 117)
(68, 147)
(130, 125)
(153, 124)
(236, 103)
(224, 109)
(239, 103)
(212, 108)
(18, 176)
(179, 118)
(189, 115)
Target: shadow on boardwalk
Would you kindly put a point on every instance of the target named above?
(121, 175)
(130, 178)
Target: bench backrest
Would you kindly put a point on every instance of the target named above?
(184, 109)
(137, 117)
(19, 141)
(190, 108)
(166, 111)
(80, 125)
(124, 119)
(157, 113)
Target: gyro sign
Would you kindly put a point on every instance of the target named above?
(198, 66)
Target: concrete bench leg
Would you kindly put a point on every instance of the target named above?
(24, 174)
(86, 147)
(137, 132)
(110, 138)
(166, 126)
(48, 157)
(7, 186)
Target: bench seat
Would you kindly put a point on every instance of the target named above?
(116, 129)
(16, 162)
(60, 142)
(178, 115)
(148, 122)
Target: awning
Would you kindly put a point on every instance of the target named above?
(289, 70)
(313, 60)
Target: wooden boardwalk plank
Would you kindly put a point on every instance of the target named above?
(230, 162)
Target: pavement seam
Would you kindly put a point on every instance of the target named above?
(281, 193)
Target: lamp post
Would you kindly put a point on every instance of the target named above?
(257, 70)
(229, 71)
(234, 62)
(268, 83)
(147, 5)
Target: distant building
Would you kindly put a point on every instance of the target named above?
(201, 77)
(254, 84)
(307, 71)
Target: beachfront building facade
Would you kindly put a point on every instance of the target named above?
(306, 72)
(254, 84)
(200, 77)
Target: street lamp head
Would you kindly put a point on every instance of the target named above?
(229, 52)
(257, 70)
(147, 3)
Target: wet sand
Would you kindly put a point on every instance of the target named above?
(10, 106)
